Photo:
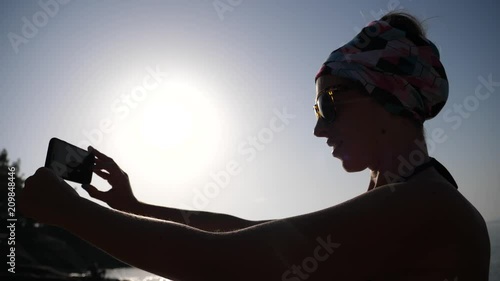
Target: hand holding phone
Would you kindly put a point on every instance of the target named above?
(69, 162)
(47, 198)
(120, 196)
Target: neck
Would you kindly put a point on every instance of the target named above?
(397, 160)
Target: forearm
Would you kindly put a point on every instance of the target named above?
(207, 221)
(165, 248)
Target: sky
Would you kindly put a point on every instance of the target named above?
(208, 104)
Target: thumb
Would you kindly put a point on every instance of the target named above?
(94, 192)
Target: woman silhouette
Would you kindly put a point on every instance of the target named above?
(373, 95)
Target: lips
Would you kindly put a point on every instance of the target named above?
(336, 144)
(333, 143)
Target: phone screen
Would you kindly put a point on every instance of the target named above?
(69, 162)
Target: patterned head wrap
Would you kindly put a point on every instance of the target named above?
(401, 70)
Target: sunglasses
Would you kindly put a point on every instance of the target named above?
(326, 106)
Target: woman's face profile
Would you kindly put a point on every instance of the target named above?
(353, 134)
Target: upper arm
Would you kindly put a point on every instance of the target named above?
(364, 232)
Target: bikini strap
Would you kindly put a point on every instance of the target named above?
(438, 166)
(444, 172)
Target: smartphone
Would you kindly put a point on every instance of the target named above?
(69, 162)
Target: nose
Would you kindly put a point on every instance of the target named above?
(321, 128)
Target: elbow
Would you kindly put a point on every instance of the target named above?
(236, 259)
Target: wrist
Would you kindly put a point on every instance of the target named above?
(133, 206)
(72, 211)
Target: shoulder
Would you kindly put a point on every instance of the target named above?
(400, 208)
(462, 231)
(367, 231)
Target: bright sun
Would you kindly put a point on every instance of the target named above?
(174, 136)
(168, 122)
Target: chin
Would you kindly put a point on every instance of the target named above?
(352, 166)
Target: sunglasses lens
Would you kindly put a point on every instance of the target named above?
(326, 108)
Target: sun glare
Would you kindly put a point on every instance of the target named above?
(168, 123)
(175, 136)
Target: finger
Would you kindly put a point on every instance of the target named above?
(28, 180)
(94, 192)
(104, 165)
(42, 170)
(102, 174)
(110, 168)
(99, 154)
